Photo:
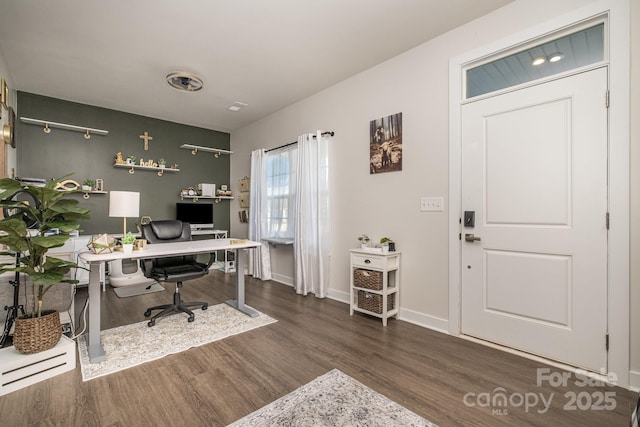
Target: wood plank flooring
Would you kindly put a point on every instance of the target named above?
(428, 372)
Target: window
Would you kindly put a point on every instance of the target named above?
(281, 192)
(572, 51)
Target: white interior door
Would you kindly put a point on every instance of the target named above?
(535, 173)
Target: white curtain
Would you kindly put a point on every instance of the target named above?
(260, 258)
(312, 235)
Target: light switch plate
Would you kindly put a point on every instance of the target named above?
(431, 204)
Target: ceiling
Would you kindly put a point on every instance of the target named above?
(264, 53)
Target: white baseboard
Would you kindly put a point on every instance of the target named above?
(281, 278)
(436, 323)
(338, 295)
(634, 380)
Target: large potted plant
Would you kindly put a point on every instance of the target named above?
(36, 220)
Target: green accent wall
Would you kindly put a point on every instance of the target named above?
(63, 152)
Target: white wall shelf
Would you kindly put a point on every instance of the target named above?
(216, 199)
(48, 125)
(195, 148)
(132, 168)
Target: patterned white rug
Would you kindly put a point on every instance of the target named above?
(132, 345)
(334, 399)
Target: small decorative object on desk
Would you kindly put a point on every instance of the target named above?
(364, 240)
(162, 162)
(127, 242)
(102, 244)
(388, 245)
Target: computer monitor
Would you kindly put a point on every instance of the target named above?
(199, 215)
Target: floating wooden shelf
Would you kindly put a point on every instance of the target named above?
(48, 125)
(216, 199)
(195, 148)
(132, 168)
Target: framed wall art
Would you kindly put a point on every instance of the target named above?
(385, 144)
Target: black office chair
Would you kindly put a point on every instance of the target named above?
(172, 269)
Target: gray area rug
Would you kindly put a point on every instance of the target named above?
(132, 345)
(334, 399)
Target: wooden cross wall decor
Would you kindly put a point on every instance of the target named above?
(146, 137)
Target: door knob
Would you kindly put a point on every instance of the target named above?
(471, 238)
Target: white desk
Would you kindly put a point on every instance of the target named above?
(94, 345)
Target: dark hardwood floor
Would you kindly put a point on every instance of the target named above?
(449, 381)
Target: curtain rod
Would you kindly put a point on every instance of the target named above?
(330, 133)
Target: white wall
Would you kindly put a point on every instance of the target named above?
(416, 84)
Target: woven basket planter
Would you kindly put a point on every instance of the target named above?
(36, 334)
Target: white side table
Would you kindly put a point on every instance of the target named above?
(375, 283)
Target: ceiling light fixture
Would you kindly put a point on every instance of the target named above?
(184, 81)
(538, 61)
(556, 57)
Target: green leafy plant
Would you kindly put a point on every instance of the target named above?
(132, 159)
(162, 161)
(384, 240)
(363, 238)
(88, 182)
(49, 210)
(128, 239)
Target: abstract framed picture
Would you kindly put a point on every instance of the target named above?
(385, 144)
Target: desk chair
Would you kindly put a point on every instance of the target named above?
(172, 269)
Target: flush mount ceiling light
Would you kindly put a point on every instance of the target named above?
(556, 57)
(538, 61)
(185, 81)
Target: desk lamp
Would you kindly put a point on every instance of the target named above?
(123, 204)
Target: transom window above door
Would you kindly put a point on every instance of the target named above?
(571, 51)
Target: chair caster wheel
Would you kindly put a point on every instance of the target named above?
(191, 319)
(151, 323)
(147, 314)
(204, 307)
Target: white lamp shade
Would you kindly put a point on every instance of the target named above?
(124, 204)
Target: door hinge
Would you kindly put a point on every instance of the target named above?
(607, 220)
(606, 99)
(606, 344)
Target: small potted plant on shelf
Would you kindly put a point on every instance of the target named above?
(127, 242)
(131, 160)
(364, 240)
(162, 162)
(87, 185)
(30, 214)
(387, 244)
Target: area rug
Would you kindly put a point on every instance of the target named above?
(334, 399)
(131, 345)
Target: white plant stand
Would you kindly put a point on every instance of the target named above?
(21, 370)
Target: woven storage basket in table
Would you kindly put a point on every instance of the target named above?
(368, 279)
(36, 334)
(373, 302)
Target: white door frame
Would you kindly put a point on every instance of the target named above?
(619, 121)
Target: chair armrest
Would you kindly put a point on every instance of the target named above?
(212, 258)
